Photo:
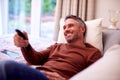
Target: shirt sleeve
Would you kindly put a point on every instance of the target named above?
(36, 57)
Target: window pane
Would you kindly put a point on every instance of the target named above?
(47, 18)
(36, 19)
(19, 15)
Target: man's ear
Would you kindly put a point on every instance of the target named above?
(82, 29)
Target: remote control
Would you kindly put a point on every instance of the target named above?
(21, 34)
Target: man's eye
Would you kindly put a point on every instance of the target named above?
(64, 27)
(71, 25)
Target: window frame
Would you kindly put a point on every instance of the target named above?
(35, 17)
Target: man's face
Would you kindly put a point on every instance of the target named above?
(71, 30)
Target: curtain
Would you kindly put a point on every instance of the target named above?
(81, 8)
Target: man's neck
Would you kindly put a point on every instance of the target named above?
(80, 43)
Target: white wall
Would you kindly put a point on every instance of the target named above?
(102, 7)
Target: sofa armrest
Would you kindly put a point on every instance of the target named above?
(106, 68)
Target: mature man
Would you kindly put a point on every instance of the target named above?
(57, 62)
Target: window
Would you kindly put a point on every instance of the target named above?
(34, 16)
(19, 14)
(47, 18)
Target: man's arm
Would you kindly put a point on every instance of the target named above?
(32, 56)
(94, 57)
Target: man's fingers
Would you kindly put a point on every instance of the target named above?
(25, 33)
(53, 76)
(19, 41)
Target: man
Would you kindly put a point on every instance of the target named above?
(59, 61)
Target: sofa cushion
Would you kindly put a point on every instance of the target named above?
(93, 35)
(110, 38)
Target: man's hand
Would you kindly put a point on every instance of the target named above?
(19, 41)
(53, 76)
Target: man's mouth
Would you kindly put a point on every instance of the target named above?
(68, 34)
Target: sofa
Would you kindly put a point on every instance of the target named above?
(106, 68)
(108, 42)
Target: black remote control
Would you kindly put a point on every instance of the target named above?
(21, 34)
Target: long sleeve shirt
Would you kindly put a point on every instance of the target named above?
(65, 59)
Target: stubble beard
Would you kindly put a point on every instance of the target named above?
(73, 39)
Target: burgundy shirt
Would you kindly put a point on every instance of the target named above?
(65, 59)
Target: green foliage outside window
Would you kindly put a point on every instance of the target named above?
(48, 7)
(28, 7)
(15, 6)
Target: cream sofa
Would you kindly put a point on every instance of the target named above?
(107, 68)
(108, 42)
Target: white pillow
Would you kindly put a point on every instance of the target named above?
(93, 35)
(61, 38)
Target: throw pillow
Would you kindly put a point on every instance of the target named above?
(94, 33)
(110, 38)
